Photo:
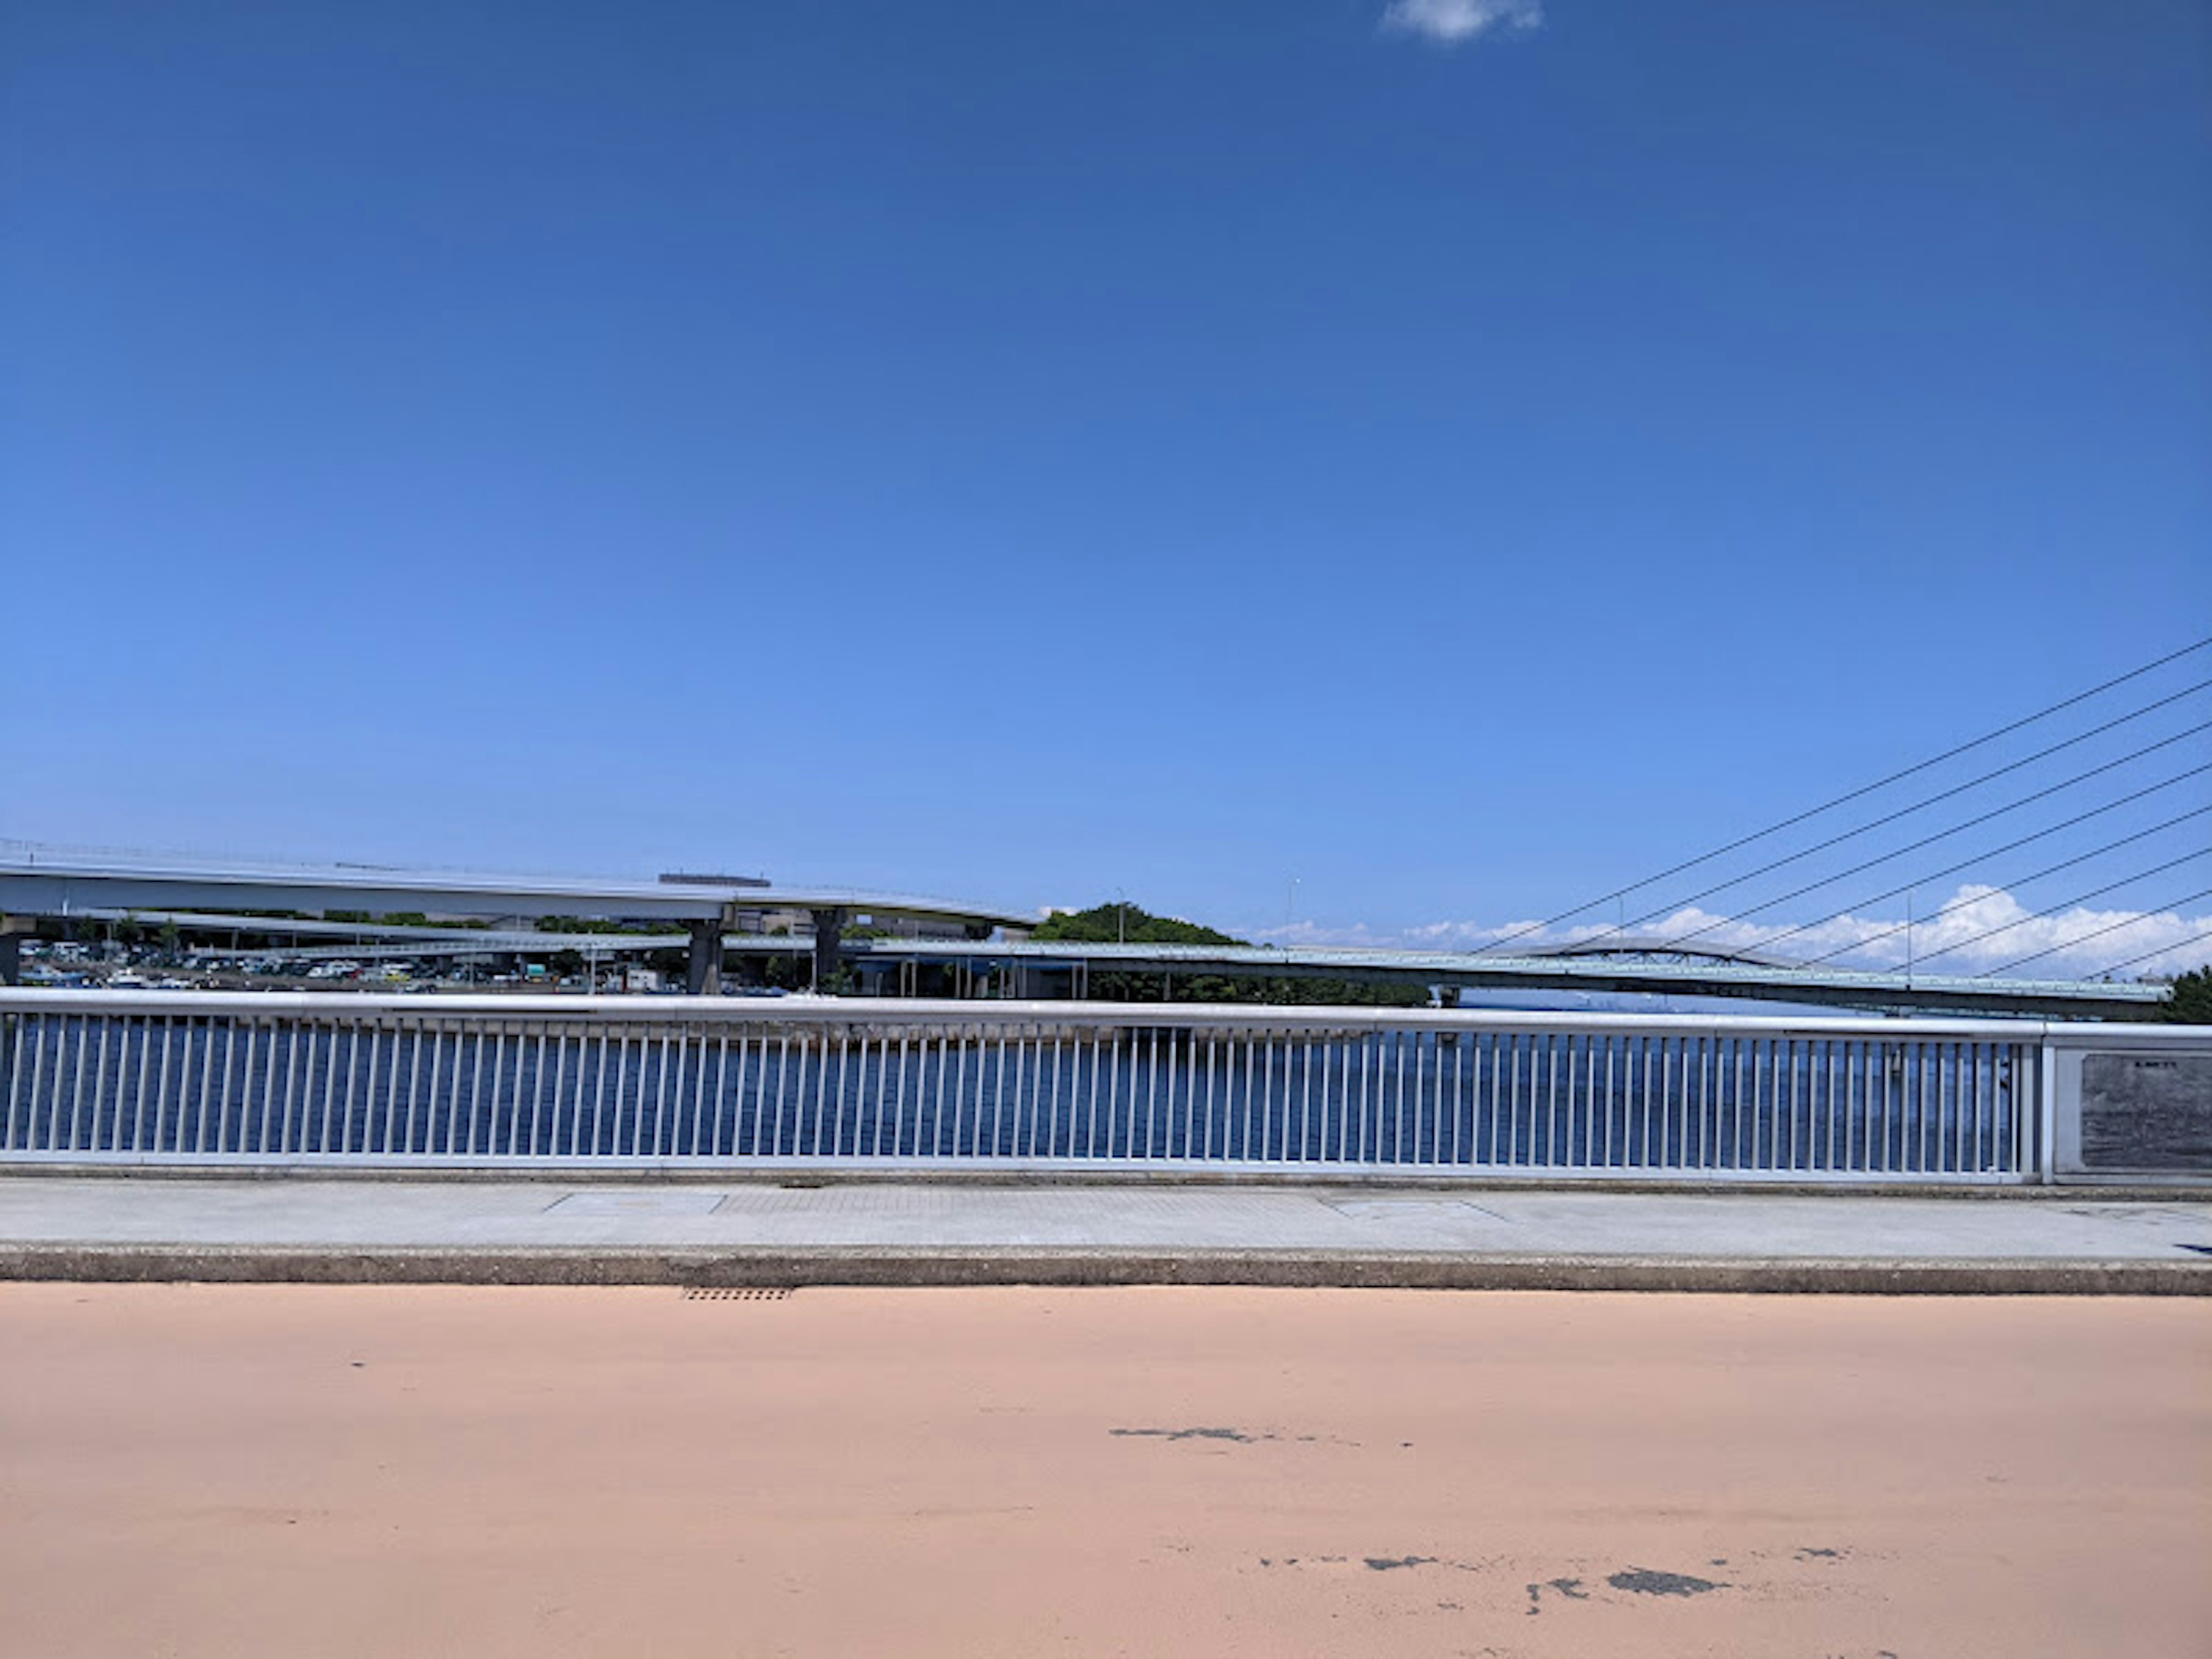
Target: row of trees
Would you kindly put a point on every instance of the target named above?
(2190, 1002)
(1131, 924)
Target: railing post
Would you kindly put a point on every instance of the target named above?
(2046, 1135)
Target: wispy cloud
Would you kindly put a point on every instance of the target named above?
(1977, 930)
(1455, 22)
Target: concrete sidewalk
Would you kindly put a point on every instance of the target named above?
(751, 1233)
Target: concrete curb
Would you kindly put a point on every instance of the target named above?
(2133, 1189)
(1825, 1275)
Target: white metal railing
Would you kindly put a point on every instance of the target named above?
(205, 1079)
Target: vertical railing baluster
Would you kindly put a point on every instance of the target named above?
(960, 1114)
(1513, 1100)
(723, 1105)
(95, 1132)
(353, 1070)
(1207, 1141)
(1414, 1038)
(161, 1090)
(51, 1139)
(65, 1026)
(1267, 1097)
(1244, 1144)
(13, 1029)
(997, 1095)
(1562, 1153)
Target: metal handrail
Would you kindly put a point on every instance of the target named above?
(346, 1005)
(219, 1080)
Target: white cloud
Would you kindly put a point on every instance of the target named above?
(1453, 23)
(2078, 940)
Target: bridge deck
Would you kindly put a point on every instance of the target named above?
(50, 884)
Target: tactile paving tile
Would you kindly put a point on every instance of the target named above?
(675, 1201)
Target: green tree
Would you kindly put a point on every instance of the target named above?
(2189, 1002)
(1108, 924)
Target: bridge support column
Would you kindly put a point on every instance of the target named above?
(11, 955)
(702, 972)
(1447, 996)
(829, 933)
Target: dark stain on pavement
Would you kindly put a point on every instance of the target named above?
(1643, 1581)
(1572, 1588)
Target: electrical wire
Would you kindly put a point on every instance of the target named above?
(1856, 794)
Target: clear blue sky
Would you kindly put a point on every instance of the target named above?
(1029, 450)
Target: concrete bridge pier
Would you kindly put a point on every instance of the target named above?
(828, 934)
(11, 954)
(702, 971)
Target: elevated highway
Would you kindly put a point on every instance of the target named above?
(1027, 968)
(701, 915)
(37, 883)
(1452, 972)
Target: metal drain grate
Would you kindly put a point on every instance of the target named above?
(736, 1292)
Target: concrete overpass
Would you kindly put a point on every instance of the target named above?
(1042, 969)
(1685, 975)
(41, 883)
(47, 884)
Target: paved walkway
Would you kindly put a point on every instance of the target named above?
(354, 1472)
(110, 1227)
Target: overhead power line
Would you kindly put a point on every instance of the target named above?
(1860, 792)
